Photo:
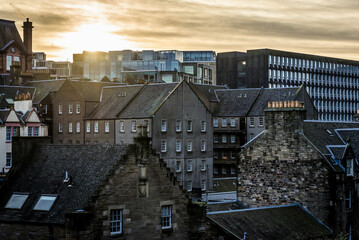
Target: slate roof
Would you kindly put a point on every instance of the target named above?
(147, 100)
(208, 91)
(224, 206)
(43, 88)
(272, 94)
(224, 184)
(3, 115)
(86, 165)
(113, 101)
(11, 91)
(281, 222)
(235, 102)
(8, 33)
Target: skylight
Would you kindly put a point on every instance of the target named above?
(17, 200)
(45, 202)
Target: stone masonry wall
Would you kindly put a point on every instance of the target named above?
(281, 167)
(141, 214)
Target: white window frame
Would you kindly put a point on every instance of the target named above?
(203, 165)
(224, 138)
(203, 184)
(203, 145)
(178, 165)
(163, 125)
(133, 126)
(114, 229)
(203, 126)
(122, 126)
(215, 122)
(189, 145)
(215, 138)
(251, 122)
(261, 121)
(78, 127)
(166, 217)
(70, 108)
(107, 126)
(189, 186)
(70, 127)
(178, 145)
(88, 126)
(233, 122)
(224, 122)
(179, 125)
(233, 138)
(60, 127)
(163, 145)
(60, 108)
(189, 165)
(77, 108)
(189, 125)
(96, 127)
(350, 167)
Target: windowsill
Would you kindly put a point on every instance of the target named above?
(167, 230)
(116, 235)
(8, 142)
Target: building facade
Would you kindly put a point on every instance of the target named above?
(332, 83)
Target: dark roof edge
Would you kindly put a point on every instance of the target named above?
(250, 108)
(131, 100)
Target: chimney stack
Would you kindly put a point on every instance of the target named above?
(28, 35)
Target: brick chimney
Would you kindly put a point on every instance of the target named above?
(28, 35)
(284, 118)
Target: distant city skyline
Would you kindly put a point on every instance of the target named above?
(315, 27)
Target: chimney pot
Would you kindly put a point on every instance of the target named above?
(280, 104)
(285, 104)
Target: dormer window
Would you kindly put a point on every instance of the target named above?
(350, 167)
(45, 202)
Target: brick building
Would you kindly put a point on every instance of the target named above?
(302, 161)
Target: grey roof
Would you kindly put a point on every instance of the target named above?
(208, 91)
(272, 94)
(12, 91)
(87, 166)
(235, 102)
(114, 99)
(3, 115)
(43, 88)
(281, 222)
(8, 33)
(147, 100)
(224, 206)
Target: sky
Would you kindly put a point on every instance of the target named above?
(320, 27)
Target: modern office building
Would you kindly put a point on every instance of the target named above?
(47, 69)
(332, 83)
(146, 66)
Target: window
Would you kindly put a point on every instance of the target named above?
(224, 170)
(233, 122)
(233, 138)
(78, 127)
(166, 217)
(60, 127)
(122, 126)
(189, 185)
(77, 108)
(36, 131)
(115, 221)
(17, 200)
(178, 125)
(348, 199)
(96, 127)
(163, 145)
(107, 126)
(88, 126)
(203, 145)
(189, 166)
(70, 109)
(251, 122)
(70, 127)
(133, 126)
(203, 185)
(203, 165)
(44, 109)
(203, 126)
(163, 125)
(147, 123)
(224, 138)
(8, 133)
(224, 122)
(189, 125)
(178, 145)
(8, 62)
(215, 138)
(45, 202)
(29, 131)
(215, 122)
(349, 167)
(189, 145)
(178, 166)
(233, 171)
(215, 154)
(261, 121)
(8, 159)
(215, 170)
(251, 136)
(60, 108)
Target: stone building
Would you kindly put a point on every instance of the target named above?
(307, 162)
(95, 192)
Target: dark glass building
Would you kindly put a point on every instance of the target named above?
(332, 83)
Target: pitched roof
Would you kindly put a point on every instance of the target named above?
(147, 100)
(113, 100)
(272, 94)
(86, 165)
(280, 222)
(235, 102)
(3, 115)
(43, 88)
(208, 91)
(8, 33)
(224, 206)
(12, 91)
